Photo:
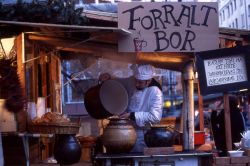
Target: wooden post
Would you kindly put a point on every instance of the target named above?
(44, 74)
(227, 122)
(55, 83)
(200, 107)
(20, 61)
(21, 116)
(188, 107)
(35, 74)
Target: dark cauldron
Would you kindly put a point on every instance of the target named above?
(159, 136)
(67, 150)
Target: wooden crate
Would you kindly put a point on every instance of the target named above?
(240, 160)
(221, 160)
(231, 161)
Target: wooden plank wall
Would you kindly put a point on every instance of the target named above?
(44, 76)
(55, 68)
(34, 74)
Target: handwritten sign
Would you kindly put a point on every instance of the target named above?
(225, 70)
(168, 26)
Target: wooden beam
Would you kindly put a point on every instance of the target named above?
(173, 61)
(20, 58)
(61, 43)
(35, 74)
(100, 50)
(79, 50)
(100, 15)
(44, 38)
(165, 57)
(228, 37)
(55, 84)
(62, 26)
(161, 61)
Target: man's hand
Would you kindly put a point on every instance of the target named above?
(124, 115)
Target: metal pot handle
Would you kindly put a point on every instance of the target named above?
(147, 127)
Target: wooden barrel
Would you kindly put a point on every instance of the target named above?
(88, 144)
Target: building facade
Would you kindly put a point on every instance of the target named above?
(80, 2)
(234, 14)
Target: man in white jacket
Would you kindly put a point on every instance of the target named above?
(145, 104)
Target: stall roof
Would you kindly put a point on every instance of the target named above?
(102, 42)
(72, 27)
(98, 41)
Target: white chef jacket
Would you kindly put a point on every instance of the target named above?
(147, 105)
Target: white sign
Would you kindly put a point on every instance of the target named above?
(168, 26)
(225, 70)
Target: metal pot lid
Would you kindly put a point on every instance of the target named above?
(114, 97)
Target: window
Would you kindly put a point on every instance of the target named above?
(223, 15)
(231, 8)
(220, 18)
(72, 91)
(228, 11)
(241, 2)
(235, 5)
(248, 10)
(236, 23)
(242, 20)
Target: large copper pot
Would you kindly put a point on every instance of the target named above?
(105, 100)
(119, 136)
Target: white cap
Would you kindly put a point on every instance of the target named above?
(143, 72)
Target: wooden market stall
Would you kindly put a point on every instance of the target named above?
(41, 47)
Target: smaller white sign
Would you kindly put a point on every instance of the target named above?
(225, 70)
